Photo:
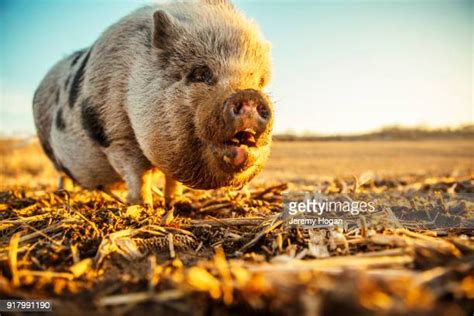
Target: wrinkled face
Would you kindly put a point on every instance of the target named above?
(214, 79)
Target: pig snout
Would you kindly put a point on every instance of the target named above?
(248, 110)
(248, 114)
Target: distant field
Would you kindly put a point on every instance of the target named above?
(296, 161)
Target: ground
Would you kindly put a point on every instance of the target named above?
(229, 252)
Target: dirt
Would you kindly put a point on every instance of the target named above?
(234, 252)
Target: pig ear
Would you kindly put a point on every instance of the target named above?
(165, 29)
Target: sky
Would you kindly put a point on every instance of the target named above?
(339, 66)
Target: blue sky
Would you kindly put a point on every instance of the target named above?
(340, 66)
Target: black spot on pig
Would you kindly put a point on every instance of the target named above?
(75, 56)
(60, 124)
(93, 124)
(66, 84)
(56, 97)
(77, 80)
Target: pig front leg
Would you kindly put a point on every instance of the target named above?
(173, 191)
(65, 182)
(139, 187)
(127, 159)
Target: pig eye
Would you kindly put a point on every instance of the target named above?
(201, 74)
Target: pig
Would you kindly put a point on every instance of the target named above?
(176, 87)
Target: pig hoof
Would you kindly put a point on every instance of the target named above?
(177, 202)
(65, 183)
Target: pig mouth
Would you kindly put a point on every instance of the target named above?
(245, 137)
(239, 152)
(238, 156)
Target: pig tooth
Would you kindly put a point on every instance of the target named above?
(227, 159)
(250, 130)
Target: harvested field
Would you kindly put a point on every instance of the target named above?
(233, 252)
